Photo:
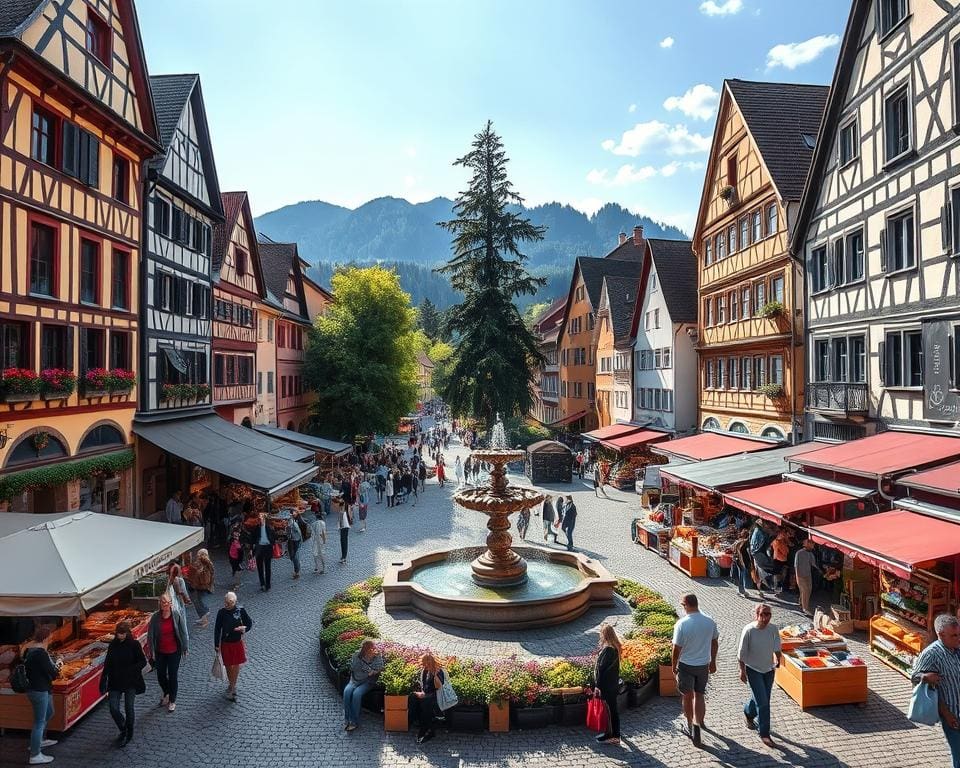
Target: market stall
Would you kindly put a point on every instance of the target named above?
(549, 462)
(74, 572)
(630, 455)
(818, 669)
(328, 453)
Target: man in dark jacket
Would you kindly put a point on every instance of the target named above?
(263, 539)
(548, 515)
(123, 678)
(569, 521)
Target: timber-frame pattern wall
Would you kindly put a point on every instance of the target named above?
(881, 326)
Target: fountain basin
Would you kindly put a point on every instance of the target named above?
(439, 586)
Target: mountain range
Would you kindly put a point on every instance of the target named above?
(393, 231)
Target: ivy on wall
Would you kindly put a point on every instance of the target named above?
(58, 474)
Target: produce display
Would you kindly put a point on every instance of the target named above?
(806, 635)
(100, 624)
(821, 658)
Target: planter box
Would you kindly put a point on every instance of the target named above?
(21, 398)
(56, 395)
(467, 717)
(96, 393)
(641, 694)
(667, 682)
(328, 667)
(574, 713)
(527, 718)
(499, 717)
(373, 700)
(395, 714)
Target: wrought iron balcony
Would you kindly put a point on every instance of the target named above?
(837, 397)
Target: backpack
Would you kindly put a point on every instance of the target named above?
(19, 680)
(304, 529)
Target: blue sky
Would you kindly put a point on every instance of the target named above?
(602, 100)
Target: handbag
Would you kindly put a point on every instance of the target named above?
(597, 714)
(277, 550)
(924, 705)
(252, 563)
(446, 696)
(216, 671)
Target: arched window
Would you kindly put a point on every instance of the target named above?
(772, 432)
(711, 423)
(739, 427)
(25, 452)
(103, 436)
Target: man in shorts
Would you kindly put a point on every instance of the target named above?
(695, 644)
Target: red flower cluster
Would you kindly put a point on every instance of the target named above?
(58, 380)
(20, 381)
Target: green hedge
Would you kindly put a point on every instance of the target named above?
(59, 474)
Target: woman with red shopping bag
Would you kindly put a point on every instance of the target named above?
(606, 676)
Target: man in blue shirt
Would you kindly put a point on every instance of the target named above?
(695, 644)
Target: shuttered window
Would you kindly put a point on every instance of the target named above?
(81, 155)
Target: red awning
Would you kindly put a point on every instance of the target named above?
(945, 480)
(780, 500)
(710, 445)
(614, 430)
(897, 540)
(884, 454)
(568, 419)
(636, 439)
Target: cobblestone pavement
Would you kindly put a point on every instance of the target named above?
(289, 715)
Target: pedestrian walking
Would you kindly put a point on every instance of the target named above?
(365, 667)
(423, 703)
(606, 676)
(804, 564)
(326, 495)
(176, 586)
(231, 626)
(364, 500)
(598, 480)
(294, 540)
(422, 475)
(695, 644)
(235, 553)
(759, 655)
(441, 470)
(381, 481)
(173, 512)
(319, 531)
(938, 666)
(390, 489)
(266, 537)
(167, 643)
(344, 521)
(740, 567)
(201, 585)
(476, 470)
(548, 515)
(523, 523)
(458, 472)
(122, 679)
(569, 521)
(468, 469)
(41, 672)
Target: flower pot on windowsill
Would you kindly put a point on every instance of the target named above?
(20, 397)
(498, 716)
(396, 716)
(771, 391)
(53, 396)
(771, 310)
(88, 393)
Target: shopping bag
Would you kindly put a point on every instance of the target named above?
(252, 564)
(446, 696)
(597, 715)
(924, 707)
(216, 672)
(277, 550)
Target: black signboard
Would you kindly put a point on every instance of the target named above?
(940, 401)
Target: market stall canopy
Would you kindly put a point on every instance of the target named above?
(548, 446)
(745, 469)
(306, 441)
(854, 491)
(267, 465)
(711, 445)
(888, 453)
(66, 566)
(897, 540)
(943, 480)
(926, 508)
(607, 433)
(567, 419)
(636, 439)
(11, 522)
(779, 501)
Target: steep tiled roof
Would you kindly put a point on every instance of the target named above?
(778, 115)
(627, 251)
(594, 270)
(232, 204)
(621, 295)
(170, 95)
(277, 260)
(676, 266)
(14, 12)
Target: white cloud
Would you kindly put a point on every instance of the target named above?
(671, 168)
(656, 136)
(630, 174)
(726, 8)
(698, 102)
(667, 42)
(632, 108)
(587, 205)
(792, 55)
(410, 181)
(410, 151)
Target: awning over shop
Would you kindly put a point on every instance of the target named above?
(608, 433)
(66, 566)
(885, 454)
(931, 510)
(636, 439)
(268, 465)
(568, 419)
(731, 471)
(831, 485)
(781, 500)
(710, 445)
(942, 480)
(897, 540)
(306, 441)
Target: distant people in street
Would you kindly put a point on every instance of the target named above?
(344, 521)
(458, 472)
(235, 552)
(423, 703)
(167, 643)
(390, 489)
(780, 548)
(759, 545)
(422, 475)
(606, 676)
(549, 515)
(191, 513)
(441, 470)
(201, 585)
(938, 666)
(804, 564)
(598, 480)
(759, 655)
(523, 523)
(468, 469)
(476, 470)
(263, 551)
(364, 493)
(695, 644)
(326, 495)
(569, 521)
(41, 672)
(319, 529)
(294, 540)
(581, 462)
(381, 480)
(174, 509)
(122, 678)
(740, 568)
(365, 667)
(232, 624)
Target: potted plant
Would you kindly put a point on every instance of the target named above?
(19, 385)
(96, 382)
(398, 680)
(728, 192)
(178, 392)
(202, 391)
(40, 441)
(57, 383)
(771, 310)
(772, 391)
(469, 679)
(121, 380)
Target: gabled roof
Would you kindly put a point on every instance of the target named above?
(15, 13)
(823, 153)
(594, 270)
(777, 116)
(627, 251)
(676, 266)
(233, 204)
(621, 296)
(278, 260)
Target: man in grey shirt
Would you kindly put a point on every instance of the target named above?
(174, 508)
(759, 649)
(695, 645)
(804, 564)
(939, 666)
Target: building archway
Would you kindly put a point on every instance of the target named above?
(246, 422)
(710, 423)
(739, 428)
(290, 425)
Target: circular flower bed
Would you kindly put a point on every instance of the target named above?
(524, 684)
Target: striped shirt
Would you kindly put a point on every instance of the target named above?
(938, 658)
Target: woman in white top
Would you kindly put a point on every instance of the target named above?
(344, 521)
(389, 489)
(458, 472)
(759, 656)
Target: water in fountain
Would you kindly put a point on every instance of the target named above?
(498, 436)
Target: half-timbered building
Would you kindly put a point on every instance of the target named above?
(238, 289)
(76, 126)
(750, 333)
(546, 384)
(879, 227)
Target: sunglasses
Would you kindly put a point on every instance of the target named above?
(765, 613)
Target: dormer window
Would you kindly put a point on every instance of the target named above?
(98, 37)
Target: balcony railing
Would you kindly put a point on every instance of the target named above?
(837, 397)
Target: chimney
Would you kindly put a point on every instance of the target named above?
(638, 236)
(623, 238)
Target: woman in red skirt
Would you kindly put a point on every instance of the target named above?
(233, 623)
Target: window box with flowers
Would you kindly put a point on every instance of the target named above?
(96, 382)
(772, 310)
(57, 383)
(772, 391)
(178, 392)
(729, 193)
(19, 385)
(121, 381)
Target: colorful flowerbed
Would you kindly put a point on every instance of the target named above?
(522, 683)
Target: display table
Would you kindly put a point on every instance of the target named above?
(822, 677)
(652, 535)
(687, 561)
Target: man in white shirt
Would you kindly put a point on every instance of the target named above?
(319, 530)
(695, 645)
(174, 509)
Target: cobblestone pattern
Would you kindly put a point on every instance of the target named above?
(289, 715)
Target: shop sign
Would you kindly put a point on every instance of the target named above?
(940, 402)
(73, 495)
(155, 563)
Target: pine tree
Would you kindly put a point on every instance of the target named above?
(496, 354)
(429, 319)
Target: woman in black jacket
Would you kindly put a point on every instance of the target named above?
(606, 676)
(123, 677)
(233, 623)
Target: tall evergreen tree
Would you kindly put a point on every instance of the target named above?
(429, 319)
(496, 353)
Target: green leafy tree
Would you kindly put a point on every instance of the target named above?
(533, 313)
(496, 353)
(428, 318)
(441, 353)
(361, 360)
